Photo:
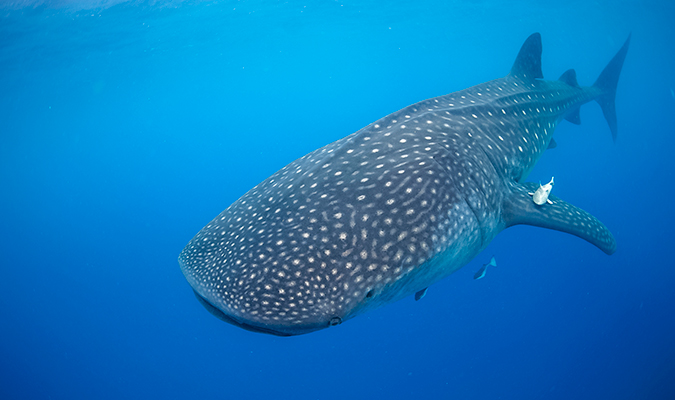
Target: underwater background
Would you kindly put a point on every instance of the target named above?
(126, 126)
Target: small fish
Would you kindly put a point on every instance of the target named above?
(540, 196)
(481, 272)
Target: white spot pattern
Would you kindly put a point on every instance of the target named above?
(373, 216)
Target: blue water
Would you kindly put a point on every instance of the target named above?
(126, 126)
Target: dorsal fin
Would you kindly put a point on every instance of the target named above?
(570, 78)
(528, 62)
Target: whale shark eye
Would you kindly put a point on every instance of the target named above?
(335, 321)
(369, 294)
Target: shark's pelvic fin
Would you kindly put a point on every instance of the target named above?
(552, 144)
(420, 295)
(607, 81)
(528, 62)
(561, 216)
(573, 116)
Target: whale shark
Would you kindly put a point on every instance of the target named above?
(391, 209)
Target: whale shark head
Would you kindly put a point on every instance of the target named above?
(342, 230)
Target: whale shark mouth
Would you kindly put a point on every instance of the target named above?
(288, 331)
(231, 320)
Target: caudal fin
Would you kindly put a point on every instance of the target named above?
(607, 82)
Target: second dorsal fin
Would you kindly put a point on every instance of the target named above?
(570, 78)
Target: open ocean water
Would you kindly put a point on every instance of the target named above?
(126, 126)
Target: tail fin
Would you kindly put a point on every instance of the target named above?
(607, 82)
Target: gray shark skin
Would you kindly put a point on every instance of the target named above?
(394, 207)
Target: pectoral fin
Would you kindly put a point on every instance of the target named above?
(518, 208)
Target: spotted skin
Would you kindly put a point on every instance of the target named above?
(390, 209)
